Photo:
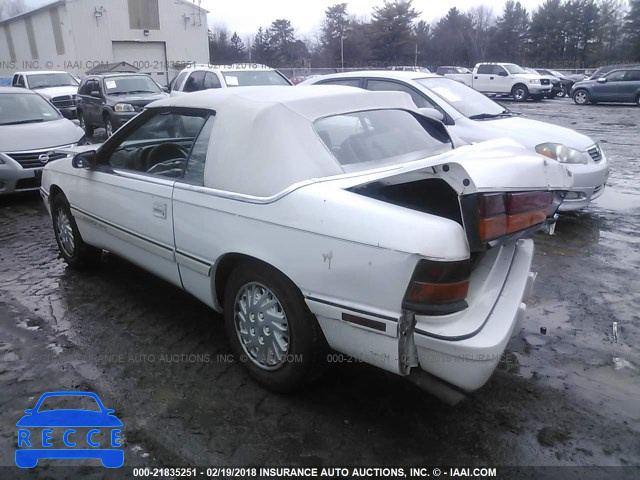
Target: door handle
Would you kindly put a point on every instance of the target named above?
(160, 210)
(490, 78)
(475, 78)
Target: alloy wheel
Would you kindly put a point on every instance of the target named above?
(65, 233)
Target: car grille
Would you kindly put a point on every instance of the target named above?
(64, 101)
(545, 81)
(595, 153)
(32, 159)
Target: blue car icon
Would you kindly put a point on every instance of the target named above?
(102, 437)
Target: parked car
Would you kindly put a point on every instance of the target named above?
(60, 88)
(475, 118)
(609, 68)
(622, 85)
(281, 207)
(565, 82)
(507, 79)
(204, 77)
(30, 130)
(556, 85)
(111, 100)
(452, 70)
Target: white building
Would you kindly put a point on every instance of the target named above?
(156, 36)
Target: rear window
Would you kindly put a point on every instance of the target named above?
(376, 138)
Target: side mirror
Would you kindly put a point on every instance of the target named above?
(502, 73)
(95, 93)
(29, 411)
(432, 113)
(166, 89)
(602, 80)
(84, 160)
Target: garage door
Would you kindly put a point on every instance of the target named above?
(149, 57)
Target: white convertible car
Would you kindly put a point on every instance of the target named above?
(314, 216)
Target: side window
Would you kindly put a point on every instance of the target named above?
(84, 87)
(211, 81)
(194, 172)
(633, 76)
(383, 85)
(497, 70)
(195, 82)
(616, 76)
(20, 82)
(177, 82)
(347, 82)
(159, 143)
(485, 69)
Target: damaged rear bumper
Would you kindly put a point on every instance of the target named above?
(462, 350)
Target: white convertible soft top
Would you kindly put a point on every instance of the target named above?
(263, 139)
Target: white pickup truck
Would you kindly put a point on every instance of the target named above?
(504, 79)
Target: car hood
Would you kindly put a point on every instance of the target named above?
(139, 100)
(36, 136)
(69, 418)
(584, 83)
(529, 76)
(525, 131)
(56, 91)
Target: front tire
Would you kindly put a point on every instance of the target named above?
(108, 126)
(563, 92)
(270, 328)
(74, 251)
(520, 93)
(581, 97)
(88, 129)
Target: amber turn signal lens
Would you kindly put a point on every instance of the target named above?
(437, 293)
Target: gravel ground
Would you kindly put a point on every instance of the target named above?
(569, 397)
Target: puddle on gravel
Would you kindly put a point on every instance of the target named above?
(613, 199)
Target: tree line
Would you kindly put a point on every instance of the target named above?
(557, 34)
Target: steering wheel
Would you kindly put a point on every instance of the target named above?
(163, 152)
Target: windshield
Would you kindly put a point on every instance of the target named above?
(16, 108)
(46, 80)
(557, 73)
(514, 69)
(248, 78)
(69, 402)
(376, 138)
(130, 84)
(465, 100)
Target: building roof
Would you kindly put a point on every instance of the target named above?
(122, 67)
(266, 134)
(43, 8)
(57, 3)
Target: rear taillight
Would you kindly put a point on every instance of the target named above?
(505, 213)
(438, 288)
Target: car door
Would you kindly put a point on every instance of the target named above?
(483, 78)
(613, 89)
(628, 86)
(124, 204)
(501, 81)
(419, 98)
(93, 102)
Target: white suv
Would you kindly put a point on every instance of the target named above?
(204, 77)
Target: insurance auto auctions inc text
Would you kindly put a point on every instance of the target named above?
(376, 472)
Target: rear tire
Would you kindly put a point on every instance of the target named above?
(270, 328)
(581, 97)
(74, 251)
(563, 92)
(520, 93)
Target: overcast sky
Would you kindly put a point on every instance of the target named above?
(306, 15)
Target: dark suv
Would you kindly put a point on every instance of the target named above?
(622, 85)
(112, 100)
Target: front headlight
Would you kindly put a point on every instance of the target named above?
(124, 107)
(534, 81)
(562, 153)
